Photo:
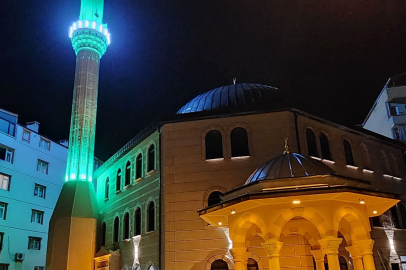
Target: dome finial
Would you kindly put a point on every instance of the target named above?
(286, 146)
(234, 80)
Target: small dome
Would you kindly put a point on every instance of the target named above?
(289, 165)
(234, 98)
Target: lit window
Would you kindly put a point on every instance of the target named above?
(42, 166)
(138, 171)
(6, 154)
(151, 158)
(40, 190)
(4, 266)
(39, 268)
(4, 181)
(3, 210)
(44, 144)
(137, 221)
(214, 144)
(37, 216)
(126, 226)
(34, 243)
(239, 142)
(127, 180)
(151, 217)
(118, 180)
(26, 135)
(403, 261)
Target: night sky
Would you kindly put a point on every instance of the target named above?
(330, 57)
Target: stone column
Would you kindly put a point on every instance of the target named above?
(330, 246)
(356, 257)
(240, 258)
(318, 256)
(272, 248)
(366, 247)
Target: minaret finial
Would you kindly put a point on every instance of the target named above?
(286, 146)
(234, 80)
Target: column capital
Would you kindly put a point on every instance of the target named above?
(318, 254)
(354, 251)
(272, 247)
(240, 254)
(330, 245)
(366, 246)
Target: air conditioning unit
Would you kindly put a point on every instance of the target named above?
(19, 257)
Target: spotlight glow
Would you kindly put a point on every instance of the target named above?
(232, 212)
(220, 223)
(374, 212)
(361, 201)
(296, 202)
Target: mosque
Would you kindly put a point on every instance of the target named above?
(236, 179)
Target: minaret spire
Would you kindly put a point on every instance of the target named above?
(72, 229)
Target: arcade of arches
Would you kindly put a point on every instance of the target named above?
(305, 232)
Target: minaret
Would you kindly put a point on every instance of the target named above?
(73, 226)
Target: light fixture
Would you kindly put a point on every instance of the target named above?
(374, 212)
(220, 223)
(232, 212)
(296, 202)
(361, 201)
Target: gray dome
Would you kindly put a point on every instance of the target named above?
(289, 165)
(234, 98)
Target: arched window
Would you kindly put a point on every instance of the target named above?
(127, 174)
(137, 221)
(126, 226)
(219, 265)
(311, 143)
(103, 234)
(116, 229)
(151, 217)
(151, 158)
(118, 180)
(393, 165)
(214, 144)
(138, 169)
(214, 198)
(384, 162)
(252, 264)
(363, 151)
(239, 142)
(349, 159)
(343, 263)
(325, 146)
(106, 189)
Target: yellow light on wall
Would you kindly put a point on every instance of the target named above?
(361, 201)
(374, 212)
(296, 202)
(220, 223)
(232, 212)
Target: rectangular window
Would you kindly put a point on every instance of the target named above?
(403, 261)
(39, 268)
(42, 166)
(7, 127)
(4, 181)
(43, 143)
(40, 190)
(6, 153)
(34, 243)
(37, 216)
(1, 240)
(26, 136)
(4, 266)
(3, 210)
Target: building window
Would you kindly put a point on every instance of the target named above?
(214, 198)
(26, 136)
(39, 268)
(395, 217)
(103, 236)
(118, 180)
(151, 158)
(3, 210)
(384, 162)
(106, 189)
(394, 165)
(214, 144)
(219, 265)
(4, 266)
(151, 217)
(1, 240)
(37, 216)
(325, 146)
(127, 174)
(5, 181)
(137, 221)
(42, 166)
(138, 167)
(343, 263)
(239, 142)
(7, 127)
(43, 143)
(363, 150)
(40, 191)
(349, 159)
(311, 143)
(6, 153)
(403, 261)
(116, 229)
(34, 243)
(252, 264)
(126, 226)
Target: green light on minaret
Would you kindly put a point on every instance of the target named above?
(90, 38)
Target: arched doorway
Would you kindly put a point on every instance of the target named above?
(219, 265)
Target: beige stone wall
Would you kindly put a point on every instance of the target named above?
(138, 194)
(295, 254)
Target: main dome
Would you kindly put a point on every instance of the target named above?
(289, 165)
(235, 98)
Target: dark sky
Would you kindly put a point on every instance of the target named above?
(331, 57)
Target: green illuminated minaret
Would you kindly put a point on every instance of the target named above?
(72, 229)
